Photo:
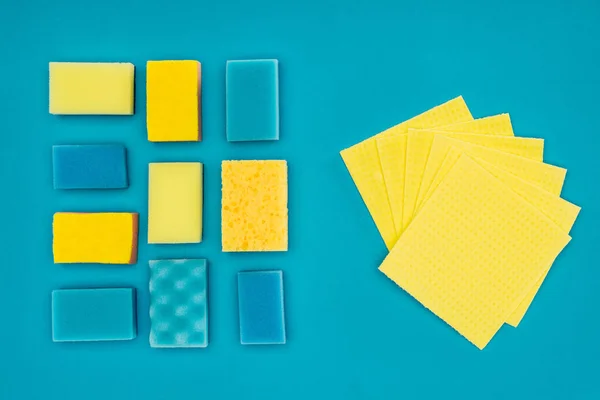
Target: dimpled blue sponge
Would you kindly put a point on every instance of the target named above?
(178, 303)
(261, 307)
(93, 314)
(97, 166)
(252, 97)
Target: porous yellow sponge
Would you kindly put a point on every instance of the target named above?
(254, 213)
(175, 202)
(91, 88)
(173, 94)
(103, 238)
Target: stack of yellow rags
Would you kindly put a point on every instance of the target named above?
(471, 214)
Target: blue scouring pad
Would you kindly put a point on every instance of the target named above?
(252, 99)
(261, 307)
(98, 166)
(178, 303)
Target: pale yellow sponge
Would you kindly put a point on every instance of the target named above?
(254, 213)
(91, 88)
(103, 238)
(173, 95)
(175, 202)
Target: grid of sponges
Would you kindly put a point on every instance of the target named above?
(91, 88)
(178, 303)
(102, 238)
(173, 100)
(476, 215)
(254, 207)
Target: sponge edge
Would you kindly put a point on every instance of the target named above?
(101, 238)
(91, 88)
(174, 101)
(254, 205)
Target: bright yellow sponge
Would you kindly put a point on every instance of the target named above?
(254, 213)
(103, 238)
(91, 88)
(174, 101)
(175, 202)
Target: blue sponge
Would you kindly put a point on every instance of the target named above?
(93, 315)
(98, 166)
(252, 100)
(178, 303)
(260, 296)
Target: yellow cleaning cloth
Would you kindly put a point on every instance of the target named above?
(493, 125)
(474, 251)
(419, 146)
(546, 176)
(362, 161)
(392, 157)
(560, 211)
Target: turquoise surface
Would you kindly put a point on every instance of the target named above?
(93, 314)
(252, 96)
(178, 303)
(261, 307)
(94, 166)
(348, 69)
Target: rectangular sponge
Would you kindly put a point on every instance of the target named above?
(173, 96)
(178, 303)
(252, 99)
(97, 166)
(91, 88)
(261, 306)
(102, 238)
(80, 315)
(175, 202)
(254, 213)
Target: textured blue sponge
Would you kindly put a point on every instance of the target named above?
(178, 303)
(101, 166)
(93, 314)
(261, 306)
(252, 88)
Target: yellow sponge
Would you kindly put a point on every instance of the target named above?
(254, 213)
(91, 88)
(173, 94)
(104, 238)
(175, 202)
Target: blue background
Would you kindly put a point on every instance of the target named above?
(348, 70)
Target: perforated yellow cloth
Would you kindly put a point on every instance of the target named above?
(392, 156)
(362, 161)
(474, 251)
